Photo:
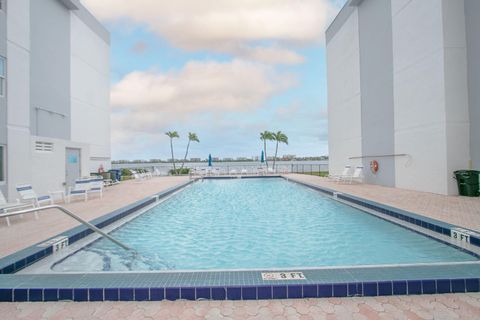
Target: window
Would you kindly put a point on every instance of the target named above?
(2, 76)
(2, 164)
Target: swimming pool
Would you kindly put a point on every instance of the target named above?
(256, 224)
(262, 238)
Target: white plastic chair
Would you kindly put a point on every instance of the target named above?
(11, 206)
(356, 176)
(96, 186)
(27, 194)
(347, 171)
(80, 189)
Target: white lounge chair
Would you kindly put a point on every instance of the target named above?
(28, 195)
(5, 206)
(271, 170)
(244, 171)
(96, 186)
(233, 172)
(347, 171)
(356, 176)
(80, 189)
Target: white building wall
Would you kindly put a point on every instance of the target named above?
(344, 105)
(49, 167)
(90, 89)
(18, 95)
(419, 99)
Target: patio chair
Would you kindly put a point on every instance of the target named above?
(347, 171)
(96, 186)
(11, 206)
(356, 176)
(28, 195)
(80, 189)
(244, 171)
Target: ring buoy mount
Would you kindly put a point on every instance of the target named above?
(374, 166)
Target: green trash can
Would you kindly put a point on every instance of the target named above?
(468, 182)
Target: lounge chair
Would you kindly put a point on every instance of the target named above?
(244, 171)
(96, 186)
(233, 172)
(347, 171)
(356, 176)
(12, 206)
(271, 170)
(80, 189)
(28, 195)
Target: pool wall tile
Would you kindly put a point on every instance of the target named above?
(65, 294)
(219, 293)
(127, 294)
(310, 291)
(234, 293)
(20, 295)
(294, 291)
(385, 288)
(50, 294)
(370, 289)
(279, 292)
(429, 287)
(472, 285)
(80, 294)
(187, 293)
(249, 293)
(157, 294)
(458, 285)
(6, 295)
(340, 290)
(325, 290)
(264, 292)
(95, 294)
(400, 287)
(355, 289)
(111, 294)
(142, 294)
(172, 294)
(35, 294)
(203, 293)
(414, 287)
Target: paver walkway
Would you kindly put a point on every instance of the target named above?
(461, 211)
(446, 306)
(28, 231)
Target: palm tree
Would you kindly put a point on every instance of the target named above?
(171, 135)
(279, 137)
(191, 137)
(264, 136)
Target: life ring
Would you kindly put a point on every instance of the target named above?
(374, 166)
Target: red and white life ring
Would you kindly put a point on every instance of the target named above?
(374, 166)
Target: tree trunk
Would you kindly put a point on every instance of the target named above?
(275, 158)
(173, 158)
(265, 149)
(186, 153)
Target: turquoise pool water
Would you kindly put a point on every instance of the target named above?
(256, 223)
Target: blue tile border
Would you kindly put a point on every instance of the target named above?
(324, 290)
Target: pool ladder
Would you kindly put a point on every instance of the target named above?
(72, 215)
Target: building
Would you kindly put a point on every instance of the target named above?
(403, 89)
(54, 104)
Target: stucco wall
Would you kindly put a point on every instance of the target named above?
(50, 69)
(472, 14)
(344, 105)
(376, 82)
(90, 90)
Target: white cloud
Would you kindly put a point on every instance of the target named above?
(229, 26)
(149, 103)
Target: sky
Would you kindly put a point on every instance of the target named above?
(223, 69)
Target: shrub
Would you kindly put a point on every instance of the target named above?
(125, 173)
(179, 171)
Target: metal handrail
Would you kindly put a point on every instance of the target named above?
(72, 215)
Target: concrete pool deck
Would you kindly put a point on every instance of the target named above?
(27, 231)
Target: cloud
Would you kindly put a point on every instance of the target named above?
(139, 47)
(227, 26)
(150, 102)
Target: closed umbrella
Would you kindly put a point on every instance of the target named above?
(262, 158)
(209, 160)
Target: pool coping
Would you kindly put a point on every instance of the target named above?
(236, 284)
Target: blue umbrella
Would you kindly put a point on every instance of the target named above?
(209, 160)
(262, 158)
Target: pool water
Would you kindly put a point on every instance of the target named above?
(256, 223)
